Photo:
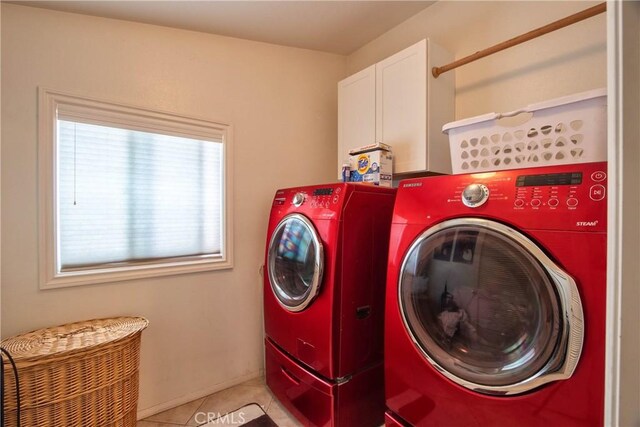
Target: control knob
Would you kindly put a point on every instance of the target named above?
(298, 199)
(475, 195)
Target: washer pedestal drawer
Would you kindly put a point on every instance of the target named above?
(317, 401)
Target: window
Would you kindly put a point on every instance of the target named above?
(128, 193)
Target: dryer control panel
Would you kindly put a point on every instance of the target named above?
(532, 190)
(555, 189)
(556, 197)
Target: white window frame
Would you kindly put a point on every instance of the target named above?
(50, 102)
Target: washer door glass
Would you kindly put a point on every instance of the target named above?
(482, 306)
(295, 262)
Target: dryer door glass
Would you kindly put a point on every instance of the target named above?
(480, 302)
(295, 262)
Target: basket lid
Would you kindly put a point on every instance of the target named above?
(79, 336)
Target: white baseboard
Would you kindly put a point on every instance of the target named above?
(147, 412)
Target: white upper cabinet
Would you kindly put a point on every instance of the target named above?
(356, 113)
(398, 102)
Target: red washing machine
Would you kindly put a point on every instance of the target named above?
(496, 297)
(325, 272)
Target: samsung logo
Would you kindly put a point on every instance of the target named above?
(587, 223)
(412, 184)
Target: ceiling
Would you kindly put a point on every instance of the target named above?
(331, 26)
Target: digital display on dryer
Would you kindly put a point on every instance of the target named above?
(571, 178)
(323, 192)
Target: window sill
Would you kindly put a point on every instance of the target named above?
(119, 274)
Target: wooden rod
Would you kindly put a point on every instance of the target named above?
(564, 22)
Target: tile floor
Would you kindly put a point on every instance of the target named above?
(222, 402)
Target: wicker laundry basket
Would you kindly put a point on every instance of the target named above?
(81, 374)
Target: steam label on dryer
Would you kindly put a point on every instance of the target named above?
(587, 223)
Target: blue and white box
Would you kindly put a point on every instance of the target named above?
(373, 164)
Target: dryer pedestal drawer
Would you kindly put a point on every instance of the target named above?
(316, 401)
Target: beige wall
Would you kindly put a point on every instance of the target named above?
(629, 232)
(206, 328)
(570, 60)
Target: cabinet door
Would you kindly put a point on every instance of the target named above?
(356, 112)
(401, 107)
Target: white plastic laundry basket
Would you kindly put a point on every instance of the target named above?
(571, 129)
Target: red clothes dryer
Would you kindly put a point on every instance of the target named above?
(496, 297)
(325, 271)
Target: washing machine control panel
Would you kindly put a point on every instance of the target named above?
(325, 197)
(317, 198)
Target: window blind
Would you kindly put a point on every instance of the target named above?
(128, 196)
